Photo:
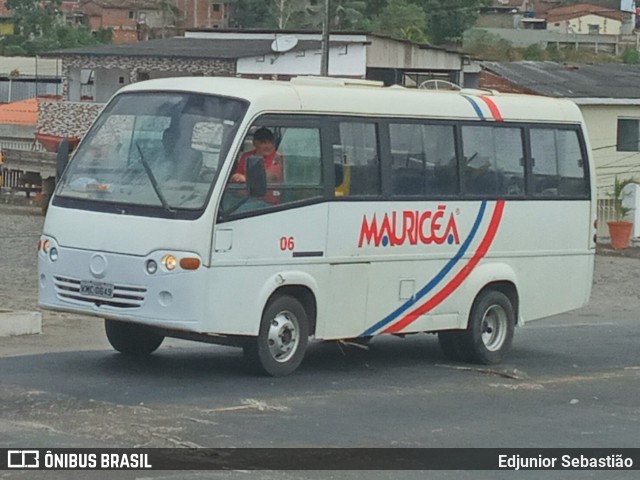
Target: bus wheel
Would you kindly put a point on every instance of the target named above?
(284, 333)
(131, 339)
(450, 344)
(489, 334)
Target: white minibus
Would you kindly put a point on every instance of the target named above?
(262, 214)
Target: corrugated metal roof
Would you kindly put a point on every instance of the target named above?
(24, 112)
(27, 66)
(609, 80)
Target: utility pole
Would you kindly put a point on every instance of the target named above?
(324, 66)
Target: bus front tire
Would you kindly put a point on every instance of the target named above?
(281, 344)
(489, 335)
(131, 339)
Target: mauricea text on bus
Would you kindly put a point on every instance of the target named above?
(410, 227)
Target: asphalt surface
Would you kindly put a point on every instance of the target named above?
(570, 381)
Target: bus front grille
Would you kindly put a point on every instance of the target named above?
(124, 296)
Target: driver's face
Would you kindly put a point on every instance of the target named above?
(263, 147)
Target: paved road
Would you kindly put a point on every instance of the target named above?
(571, 381)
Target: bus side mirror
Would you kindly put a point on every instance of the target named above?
(62, 157)
(256, 176)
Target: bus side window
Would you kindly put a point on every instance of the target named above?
(357, 152)
(493, 160)
(423, 159)
(293, 163)
(558, 166)
(302, 157)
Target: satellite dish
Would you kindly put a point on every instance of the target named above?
(284, 43)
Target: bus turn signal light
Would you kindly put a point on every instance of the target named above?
(190, 263)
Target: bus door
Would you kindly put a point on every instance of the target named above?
(354, 145)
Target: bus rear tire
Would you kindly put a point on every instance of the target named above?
(281, 344)
(131, 339)
(489, 335)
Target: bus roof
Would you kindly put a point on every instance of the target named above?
(350, 97)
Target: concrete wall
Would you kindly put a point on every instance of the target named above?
(524, 38)
(387, 53)
(109, 81)
(602, 125)
(345, 60)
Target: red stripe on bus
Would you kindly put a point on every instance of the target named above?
(452, 286)
(495, 111)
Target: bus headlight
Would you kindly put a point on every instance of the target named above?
(152, 267)
(169, 262)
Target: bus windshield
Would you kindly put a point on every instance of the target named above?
(153, 150)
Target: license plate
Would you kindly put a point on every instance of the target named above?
(96, 289)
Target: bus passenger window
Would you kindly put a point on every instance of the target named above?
(357, 153)
(493, 159)
(423, 159)
(558, 166)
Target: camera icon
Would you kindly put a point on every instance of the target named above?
(23, 459)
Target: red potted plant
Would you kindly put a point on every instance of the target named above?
(620, 229)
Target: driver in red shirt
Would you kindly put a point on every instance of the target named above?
(264, 145)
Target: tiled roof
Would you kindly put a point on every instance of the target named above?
(24, 112)
(580, 10)
(4, 11)
(123, 4)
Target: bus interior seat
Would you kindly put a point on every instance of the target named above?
(483, 182)
(408, 181)
(445, 180)
(364, 180)
(338, 174)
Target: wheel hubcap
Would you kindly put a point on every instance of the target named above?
(494, 328)
(283, 336)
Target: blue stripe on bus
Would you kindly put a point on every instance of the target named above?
(435, 280)
(475, 106)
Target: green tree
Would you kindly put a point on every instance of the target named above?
(402, 19)
(169, 13)
(42, 28)
(448, 19)
(290, 13)
(534, 53)
(34, 18)
(251, 14)
(348, 14)
(374, 7)
(631, 56)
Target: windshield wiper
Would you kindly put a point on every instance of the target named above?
(154, 182)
